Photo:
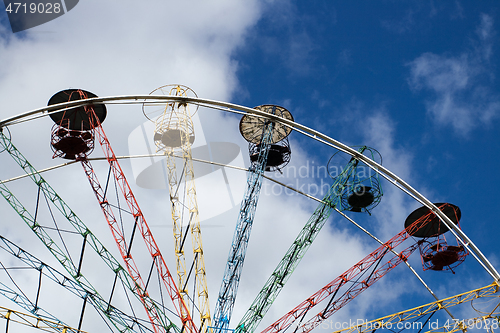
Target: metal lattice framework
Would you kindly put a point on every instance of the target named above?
(174, 132)
(297, 250)
(357, 287)
(60, 254)
(463, 239)
(30, 320)
(124, 248)
(20, 297)
(122, 324)
(234, 266)
(289, 123)
(422, 310)
(30, 261)
(23, 301)
(351, 275)
(139, 222)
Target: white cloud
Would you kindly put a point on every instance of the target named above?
(395, 205)
(112, 50)
(485, 29)
(348, 245)
(461, 85)
(129, 49)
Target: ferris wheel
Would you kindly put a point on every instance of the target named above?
(124, 281)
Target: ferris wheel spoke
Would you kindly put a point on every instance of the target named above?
(351, 274)
(265, 154)
(258, 119)
(174, 132)
(82, 229)
(430, 308)
(229, 286)
(75, 140)
(33, 321)
(124, 246)
(356, 289)
(99, 302)
(33, 263)
(336, 198)
(20, 298)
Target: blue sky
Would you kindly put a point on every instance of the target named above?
(428, 69)
(416, 80)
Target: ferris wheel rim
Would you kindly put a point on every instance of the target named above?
(223, 106)
(316, 135)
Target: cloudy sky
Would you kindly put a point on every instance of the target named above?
(416, 80)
